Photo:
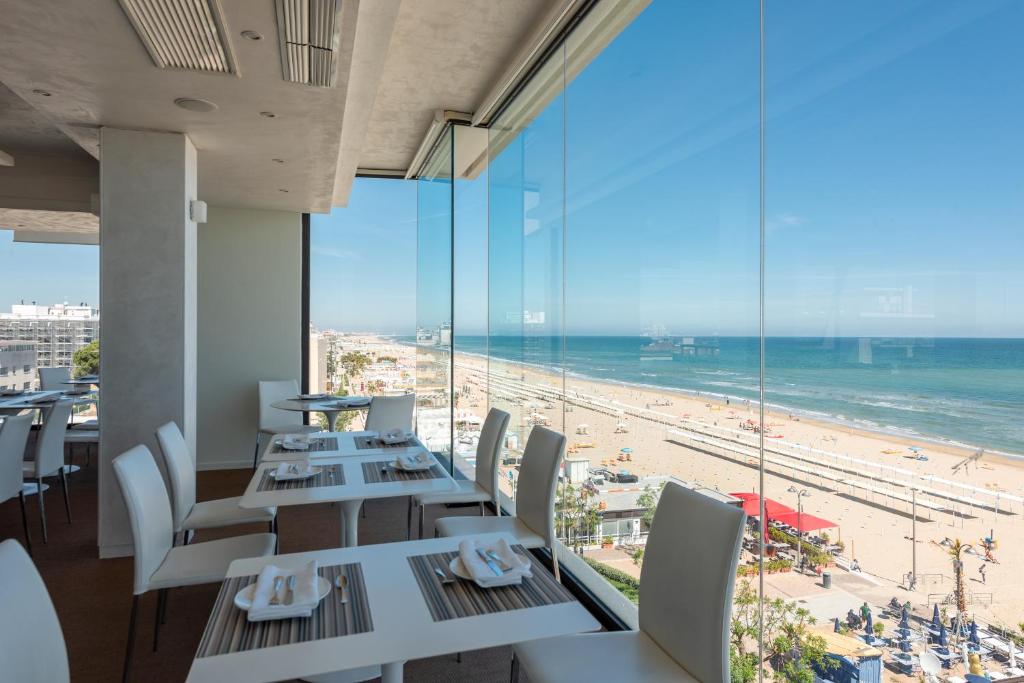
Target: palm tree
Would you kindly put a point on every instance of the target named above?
(955, 551)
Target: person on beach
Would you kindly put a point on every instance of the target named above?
(981, 570)
(864, 612)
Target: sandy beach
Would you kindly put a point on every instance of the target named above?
(875, 527)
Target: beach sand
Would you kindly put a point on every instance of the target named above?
(876, 532)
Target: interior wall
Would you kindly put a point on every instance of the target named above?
(249, 324)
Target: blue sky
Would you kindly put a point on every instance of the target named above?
(47, 273)
(894, 200)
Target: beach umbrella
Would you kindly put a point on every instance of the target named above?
(905, 645)
(943, 636)
(935, 617)
(974, 633)
(837, 629)
(869, 626)
(625, 450)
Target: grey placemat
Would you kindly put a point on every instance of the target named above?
(329, 475)
(367, 442)
(229, 630)
(382, 471)
(327, 443)
(466, 599)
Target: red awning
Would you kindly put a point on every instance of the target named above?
(752, 505)
(807, 522)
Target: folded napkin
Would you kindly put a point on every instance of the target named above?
(415, 460)
(514, 568)
(304, 598)
(395, 435)
(293, 470)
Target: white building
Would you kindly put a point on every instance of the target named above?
(57, 331)
(17, 364)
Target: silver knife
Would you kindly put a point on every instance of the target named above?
(490, 563)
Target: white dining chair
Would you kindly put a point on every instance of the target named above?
(533, 525)
(274, 420)
(32, 648)
(13, 438)
(49, 458)
(686, 588)
(189, 515)
(389, 412)
(158, 564)
(53, 379)
(485, 486)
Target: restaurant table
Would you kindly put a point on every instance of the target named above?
(86, 381)
(335, 444)
(331, 406)
(398, 610)
(347, 480)
(29, 400)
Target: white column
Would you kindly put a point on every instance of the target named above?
(147, 304)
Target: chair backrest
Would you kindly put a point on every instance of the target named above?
(272, 391)
(148, 509)
(180, 469)
(32, 645)
(13, 437)
(538, 477)
(488, 449)
(50, 441)
(388, 412)
(52, 379)
(687, 580)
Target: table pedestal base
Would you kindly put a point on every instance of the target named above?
(350, 523)
(388, 673)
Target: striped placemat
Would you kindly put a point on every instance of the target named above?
(382, 471)
(367, 442)
(329, 475)
(326, 443)
(229, 630)
(466, 599)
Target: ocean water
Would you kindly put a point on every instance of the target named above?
(965, 391)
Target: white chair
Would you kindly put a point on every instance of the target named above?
(534, 522)
(388, 412)
(53, 379)
(485, 488)
(686, 587)
(274, 420)
(49, 458)
(13, 438)
(32, 647)
(210, 514)
(158, 564)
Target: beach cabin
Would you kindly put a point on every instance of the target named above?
(857, 662)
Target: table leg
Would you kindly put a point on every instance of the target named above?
(350, 522)
(392, 672)
(367, 673)
(332, 417)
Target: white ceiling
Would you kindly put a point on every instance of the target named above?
(400, 60)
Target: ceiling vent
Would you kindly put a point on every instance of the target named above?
(183, 34)
(309, 32)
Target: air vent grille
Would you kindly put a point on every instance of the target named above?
(309, 32)
(182, 34)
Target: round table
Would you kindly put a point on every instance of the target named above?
(331, 407)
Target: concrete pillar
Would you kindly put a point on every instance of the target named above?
(148, 304)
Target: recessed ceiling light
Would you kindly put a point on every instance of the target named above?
(282, 190)
(252, 35)
(267, 114)
(278, 161)
(193, 104)
(42, 93)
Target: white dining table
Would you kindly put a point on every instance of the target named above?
(331, 407)
(403, 627)
(29, 400)
(346, 445)
(350, 494)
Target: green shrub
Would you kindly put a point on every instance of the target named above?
(626, 584)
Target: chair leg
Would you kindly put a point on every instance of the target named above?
(408, 521)
(458, 658)
(42, 508)
(514, 675)
(163, 612)
(482, 509)
(24, 522)
(161, 597)
(423, 513)
(256, 453)
(131, 640)
(88, 454)
(64, 486)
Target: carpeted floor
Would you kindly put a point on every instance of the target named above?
(93, 597)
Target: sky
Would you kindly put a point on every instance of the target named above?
(47, 273)
(893, 188)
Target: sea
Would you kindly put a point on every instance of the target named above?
(967, 392)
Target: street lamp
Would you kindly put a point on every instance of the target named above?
(800, 495)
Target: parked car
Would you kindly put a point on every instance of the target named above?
(624, 477)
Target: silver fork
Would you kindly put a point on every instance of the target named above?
(278, 584)
(444, 576)
(290, 597)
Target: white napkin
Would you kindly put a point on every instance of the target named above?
(293, 470)
(305, 598)
(395, 435)
(415, 460)
(293, 441)
(514, 568)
